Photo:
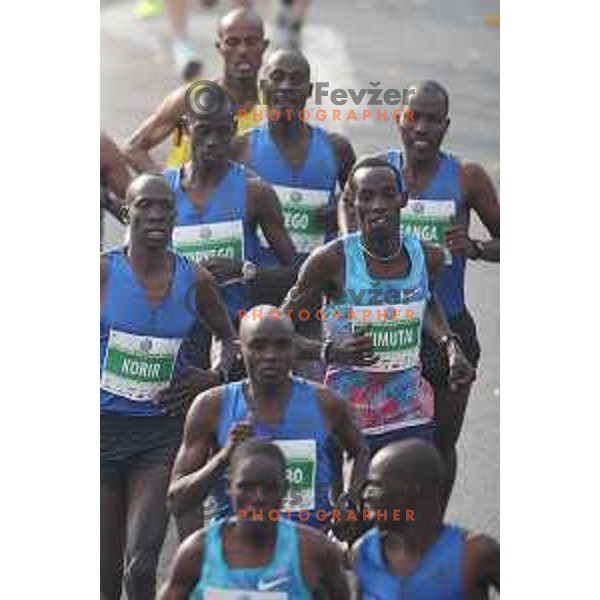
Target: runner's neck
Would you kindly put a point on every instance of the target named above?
(242, 90)
(200, 175)
(267, 400)
(288, 131)
(418, 173)
(254, 534)
(146, 261)
(412, 538)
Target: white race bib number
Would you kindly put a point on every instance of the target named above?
(137, 366)
(198, 242)
(300, 211)
(301, 463)
(396, 333)
(429, 220)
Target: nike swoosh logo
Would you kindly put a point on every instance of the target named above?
(263, 586)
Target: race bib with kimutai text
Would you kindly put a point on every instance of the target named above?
(396, 334)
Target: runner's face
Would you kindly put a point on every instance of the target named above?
(212, 138)
(423, 135)
(152, 215)
(242, 45)
(380, 492)
(287, 86)
(257, 484)
(377, 202)
(268, 351)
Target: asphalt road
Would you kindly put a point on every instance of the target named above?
(350, 45)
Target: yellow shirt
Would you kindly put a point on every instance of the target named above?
(180, 150)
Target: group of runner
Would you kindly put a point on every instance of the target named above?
(286, 351)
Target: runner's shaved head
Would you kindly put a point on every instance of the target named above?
(432, 87)
(257, 447)
(148, 184)
(414, 463)
(237, 16)
(265, 319)
(288, 57)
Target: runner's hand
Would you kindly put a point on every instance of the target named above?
(238, 433)
(461, 372)
(223, 269)
(354, 351)
(176, 399)
(459, 242)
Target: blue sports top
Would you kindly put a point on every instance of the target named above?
(283, 573)
(302, 436)
(139, 343)
(301, 192)
(438, 575)
(220, 228)
(429, 213)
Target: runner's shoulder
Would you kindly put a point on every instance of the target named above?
(328, 258)
(480, 545)
(481, 557)
(189, 553)
(343, 149)
(472, 175)
(203, 414)
(313, 541)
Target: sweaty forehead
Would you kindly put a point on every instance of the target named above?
(257, 467)
(149, 187)
(427, 100)
(241, 25)
(374, 177)
(288, 61)
(279, 328)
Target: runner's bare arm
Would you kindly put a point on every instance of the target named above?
(114, 166)
(321, 275)
(307, 294)
(481, 565)
(211, 308)
(480, 195)
(240, 148)
(154, 130)
(345, 431)
(346, 158)
(436, 325)
(185, 569)
(265, 211)
(327, 564)
(193, 473)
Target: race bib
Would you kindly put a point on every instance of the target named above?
(429, 220)
(301, 462)
(299, 208)
(137, 366)
(218, 594)
(396, 333)
(198, 242)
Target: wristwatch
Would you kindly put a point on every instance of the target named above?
(479, 249)
(249, 270)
